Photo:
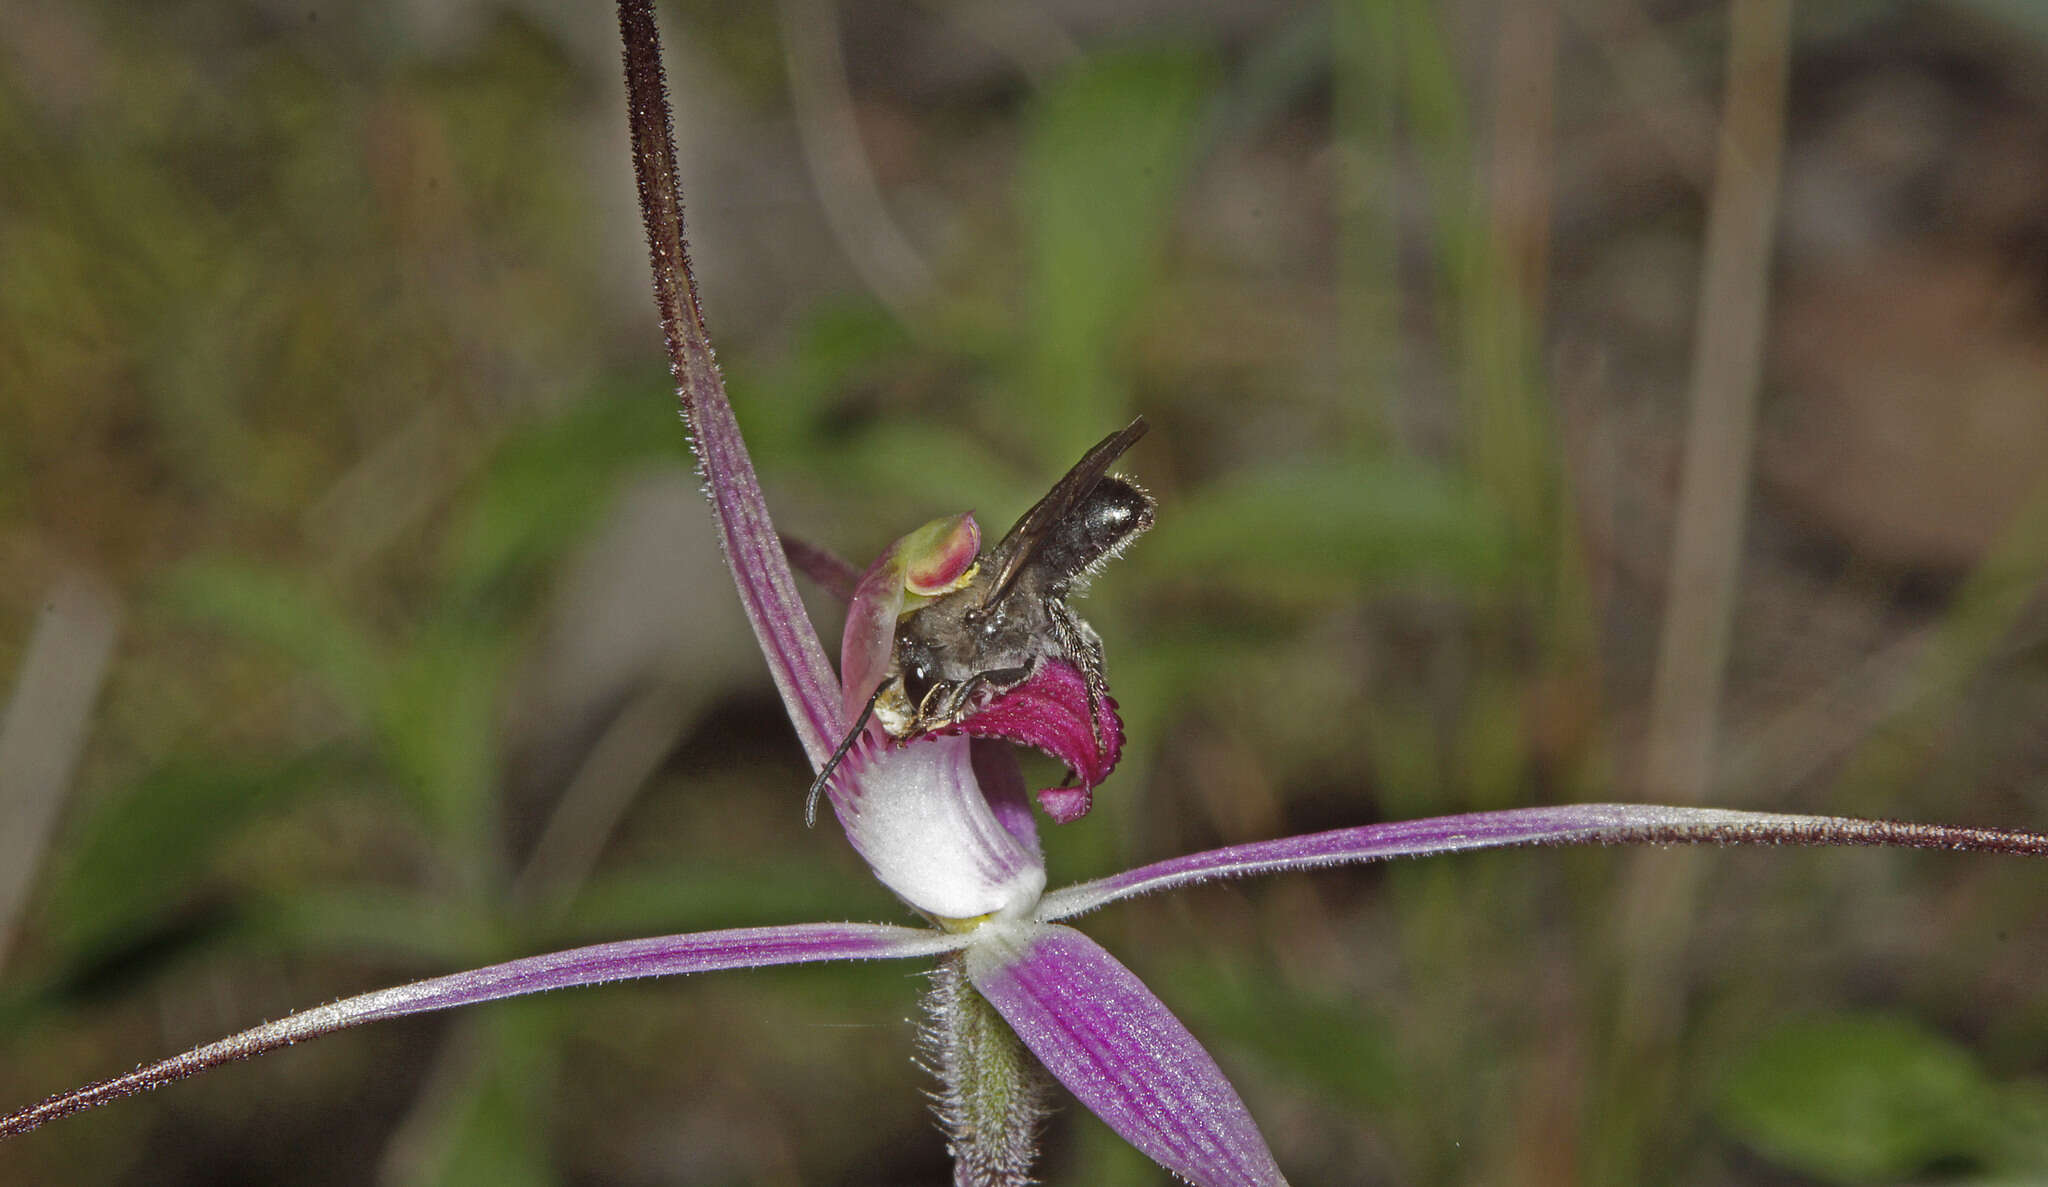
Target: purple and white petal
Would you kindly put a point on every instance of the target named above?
(916, 813)
(697, 952)
(1575, 824)
(1118, 1049)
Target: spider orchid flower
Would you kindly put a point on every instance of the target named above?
(944, 822)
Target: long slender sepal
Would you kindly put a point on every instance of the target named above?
(1575, 824)
(697, 952)
(745, 532)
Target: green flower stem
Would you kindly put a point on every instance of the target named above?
(992, 1092)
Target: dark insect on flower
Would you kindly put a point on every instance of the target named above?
(962, 648)
(1008, 613)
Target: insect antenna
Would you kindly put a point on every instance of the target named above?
(860, 725)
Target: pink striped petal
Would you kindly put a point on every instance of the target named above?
(1096, 1027)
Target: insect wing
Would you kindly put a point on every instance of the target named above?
(1024, 540)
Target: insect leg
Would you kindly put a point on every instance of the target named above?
(958, 700)
(860, 725)
(941, 703)
(1082, 645)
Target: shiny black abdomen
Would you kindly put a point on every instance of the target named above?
(1098, 527)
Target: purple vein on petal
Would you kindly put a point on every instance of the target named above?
(1120, 1051)
(697, 952)
(746, 534)
(1576, 824)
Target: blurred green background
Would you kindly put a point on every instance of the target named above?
(331, 398)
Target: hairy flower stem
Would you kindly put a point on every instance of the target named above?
(992, 1093)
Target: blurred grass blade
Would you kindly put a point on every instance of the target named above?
(436, 719)
(275, 609)
(1110, 144)
(1334, 521)
(1861, 1098)
(1320, 1038)
(44, 728)
(397, 925)
(933, 465)
(546, 482)
(141, 855)
(479, 1120)
(701, 897)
